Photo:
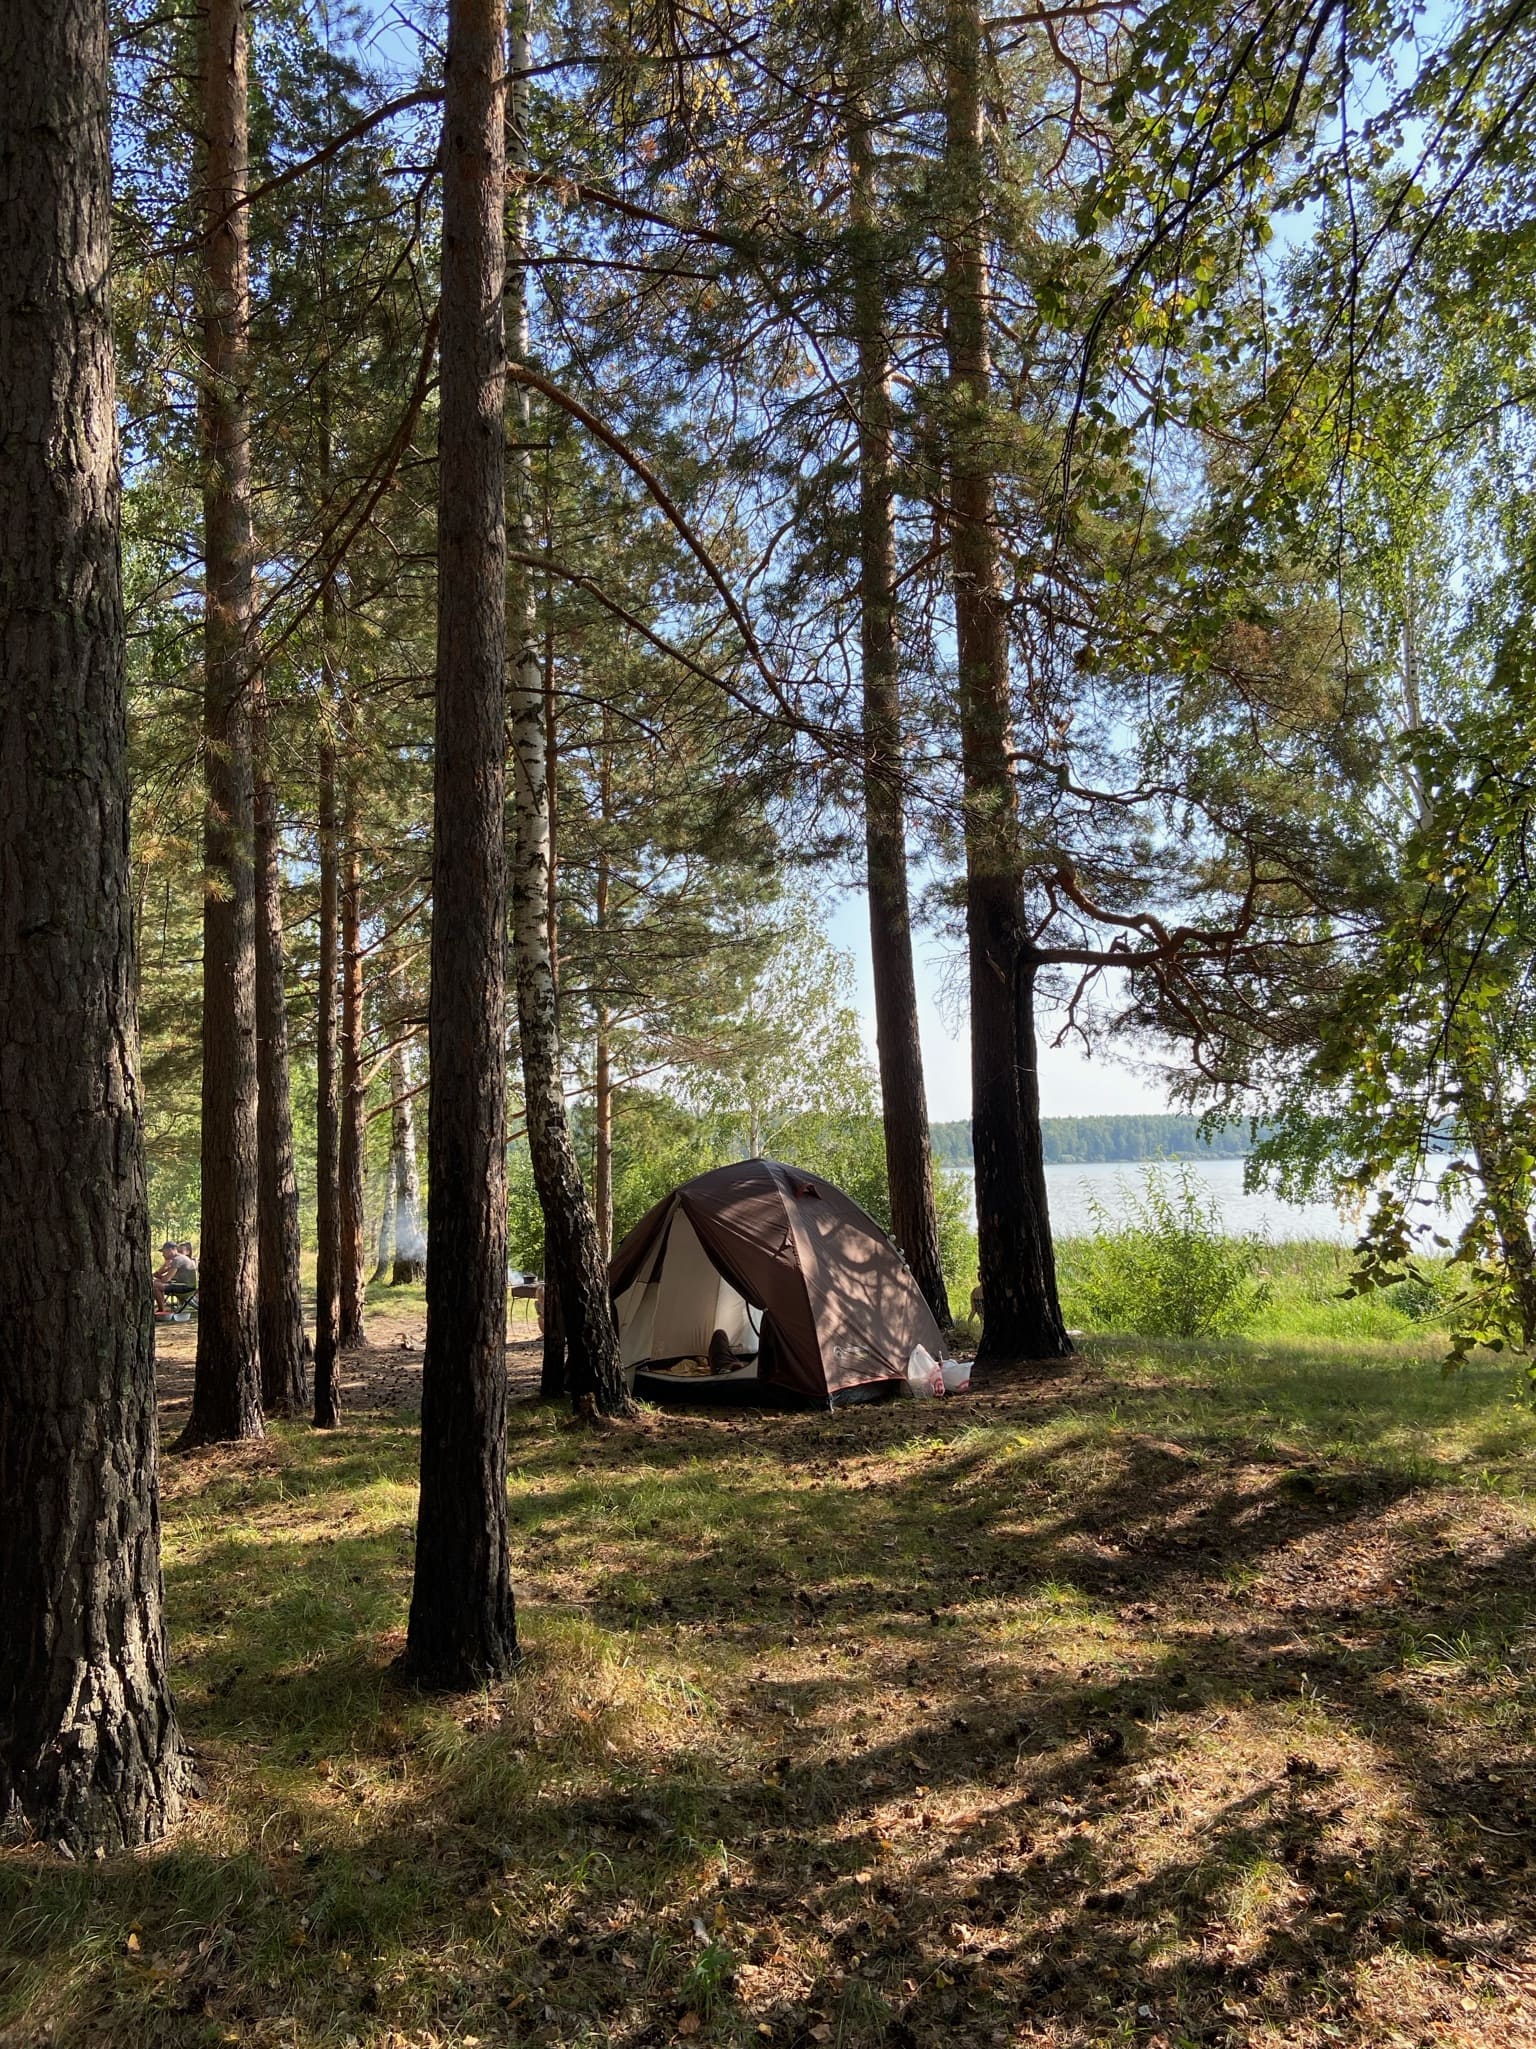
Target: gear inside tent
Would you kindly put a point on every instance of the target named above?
(759, 1280)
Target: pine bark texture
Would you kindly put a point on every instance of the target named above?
(226, 1392)
(327, 1191)
(1021, 1314)
(351, 1334)
(90, 1756)
(284, 1344)
(903, 1091)
(593, 1371)
(462, 1630)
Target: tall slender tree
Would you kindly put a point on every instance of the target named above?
(404, 1186)
(327, 1148)
(462, 1629)
(580, 1271)
(1021, 1314)
(280, 1300)
(226, 1394)
(903, 1093)
(90, 1755)
(351, 1334)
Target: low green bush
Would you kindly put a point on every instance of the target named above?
(1162, 1267)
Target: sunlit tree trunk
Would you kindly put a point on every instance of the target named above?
(903, 1094)
(351, 1335)
(1021, 1315)
(327, 1119)
(384, 1258)
(226, 1393)
(462, 1630)
(280, 1299)
(593, 1372)
(90, 1755)
(410, 1263)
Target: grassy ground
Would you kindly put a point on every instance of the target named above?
(1184, 1697)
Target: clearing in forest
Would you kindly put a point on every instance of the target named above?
(1185, 1697)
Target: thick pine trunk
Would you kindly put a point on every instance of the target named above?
(327, 1193)
(410, 1263)
(903, 1093)
(462, 1628)
(280, 1300)
(1021, 1314)
(90, 1756)
(593, 1372)
(351, 1334)
(226, 1392)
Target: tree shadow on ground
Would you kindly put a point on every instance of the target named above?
(967, 1724)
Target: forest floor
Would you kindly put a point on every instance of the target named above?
(1184, 1696)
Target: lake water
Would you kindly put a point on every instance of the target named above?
(1073, 1191)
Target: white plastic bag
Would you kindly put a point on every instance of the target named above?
(956, 1374)
(923, 1375)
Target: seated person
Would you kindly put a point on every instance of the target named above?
(177, 1271)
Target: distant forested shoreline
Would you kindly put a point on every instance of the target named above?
(1078, 1141)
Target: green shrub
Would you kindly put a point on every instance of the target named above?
(1164, 1268)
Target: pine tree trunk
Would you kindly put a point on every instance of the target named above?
(327, 1190)
(903, 1094)
(593, 1371)
(90, 1755)
(351, 1335)
(280, 1300)
(602, 1060)
(410, 1265)
(554, 1379)
(602, 1137)
(1021, 1314)
(462, 1629)
(226, 1392)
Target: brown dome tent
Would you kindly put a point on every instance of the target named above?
(814, 1299)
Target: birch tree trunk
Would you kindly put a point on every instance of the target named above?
(903, 1092)
(351, 1334)
(226, 1393)
(284, 1346)
(1021, 1314)
(90, 1755)
(384, 1258)
(462, 1630)
(593, 1372)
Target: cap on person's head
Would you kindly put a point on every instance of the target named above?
(170, 1245)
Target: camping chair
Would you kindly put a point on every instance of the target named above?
(181, 1296)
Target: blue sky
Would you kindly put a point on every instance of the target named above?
(1070, 1085)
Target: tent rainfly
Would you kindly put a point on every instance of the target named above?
(813, 1298)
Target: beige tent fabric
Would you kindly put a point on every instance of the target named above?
(684, 1299)
(840, 1309)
